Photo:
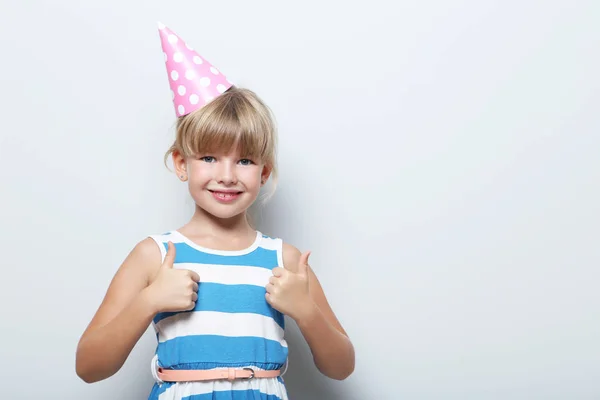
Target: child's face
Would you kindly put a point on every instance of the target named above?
(225, 184)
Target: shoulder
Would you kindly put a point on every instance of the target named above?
(148, 249)
(146, 256)
(288, 254)
(291, 257)
(146, 252)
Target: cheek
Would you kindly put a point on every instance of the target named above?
(198, 174)
(251, 177)
(198, 181)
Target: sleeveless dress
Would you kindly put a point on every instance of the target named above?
(232, 325)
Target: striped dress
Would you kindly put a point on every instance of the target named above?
(232, 325)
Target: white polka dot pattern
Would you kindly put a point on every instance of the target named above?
(203, 82)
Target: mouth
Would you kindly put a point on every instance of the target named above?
(225, 196)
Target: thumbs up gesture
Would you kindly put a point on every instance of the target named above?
(287, 291)
(173, 289)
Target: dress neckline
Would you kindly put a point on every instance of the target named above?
(203, 249)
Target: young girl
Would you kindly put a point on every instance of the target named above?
(216, 290)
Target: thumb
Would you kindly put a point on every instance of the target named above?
(170, 257)
(303, 263)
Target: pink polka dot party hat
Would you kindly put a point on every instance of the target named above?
(194, 81)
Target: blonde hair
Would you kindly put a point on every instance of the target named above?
(238, 117)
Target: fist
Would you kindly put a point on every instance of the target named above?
(173, 289)
(287, 291)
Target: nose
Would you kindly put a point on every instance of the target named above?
(226, 174)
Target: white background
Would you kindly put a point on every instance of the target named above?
(439, 158)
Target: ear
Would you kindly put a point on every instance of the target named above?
(180, 165)
(265, 174)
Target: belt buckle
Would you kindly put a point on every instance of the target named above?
(155, 368)
(251, 373)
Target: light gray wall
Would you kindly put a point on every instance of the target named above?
(440, 159)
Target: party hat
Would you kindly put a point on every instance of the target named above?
(194, 81)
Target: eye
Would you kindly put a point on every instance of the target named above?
(246, 161)
(207, 159)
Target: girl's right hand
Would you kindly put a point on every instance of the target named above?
(173, 289)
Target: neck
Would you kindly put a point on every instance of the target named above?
(207, 224)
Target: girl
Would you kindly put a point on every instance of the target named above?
(216, 290)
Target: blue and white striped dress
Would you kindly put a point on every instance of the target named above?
(232, 325)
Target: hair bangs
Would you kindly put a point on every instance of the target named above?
(228, 123)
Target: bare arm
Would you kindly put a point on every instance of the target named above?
(332, 350)
(122, 318)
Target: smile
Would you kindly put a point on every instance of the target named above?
(225, 196)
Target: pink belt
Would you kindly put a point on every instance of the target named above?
(176, 375)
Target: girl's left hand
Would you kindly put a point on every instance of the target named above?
(288, 292)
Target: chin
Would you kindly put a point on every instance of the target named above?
(222, 214)
(221, 210)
